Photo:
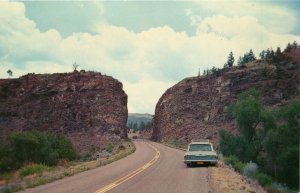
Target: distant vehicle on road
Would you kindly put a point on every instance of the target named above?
(200, 152)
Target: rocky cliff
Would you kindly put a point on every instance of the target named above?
(88, 107)
(196, 107)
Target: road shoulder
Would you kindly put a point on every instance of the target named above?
(224, 179)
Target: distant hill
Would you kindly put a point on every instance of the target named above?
(138, 121)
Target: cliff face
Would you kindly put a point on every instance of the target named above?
(88, 107)
(195, 108)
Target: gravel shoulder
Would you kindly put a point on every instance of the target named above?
(224, 179)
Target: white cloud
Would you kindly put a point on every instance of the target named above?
(145, 93)
(147, 63)
(276, 18)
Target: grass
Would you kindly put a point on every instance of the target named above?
(235, 163)
(33, 169)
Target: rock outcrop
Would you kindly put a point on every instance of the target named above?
(88, 107)
(196, 107)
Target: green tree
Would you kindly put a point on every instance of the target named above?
(240, 61)
(263, 54)
(295, 45)
(282, 145)
(288, 48)
(269, 138)
(251, 56)
(135, 126)
(130, 125)
(142, 126)
(9, 72)
(247, 112)
(230, 61)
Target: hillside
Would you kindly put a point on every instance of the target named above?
(136, 119)
(88, 107)
(196, 107)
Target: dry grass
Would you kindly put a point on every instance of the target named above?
(175, 146)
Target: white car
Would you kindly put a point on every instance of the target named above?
(200, 152)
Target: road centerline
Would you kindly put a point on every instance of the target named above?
(132, 174)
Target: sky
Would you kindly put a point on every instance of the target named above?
(147, 45)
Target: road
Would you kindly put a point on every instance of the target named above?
(152, 168)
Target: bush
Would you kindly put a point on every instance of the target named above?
(263, 179)
(33, 169)
(250, 169)
(37, 147)
(41, 147)
(7, 161)
(234, 162)
(278, 188)
(109, 148)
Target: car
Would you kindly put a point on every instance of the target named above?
(200, 152)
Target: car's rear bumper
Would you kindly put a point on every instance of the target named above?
(200, 161)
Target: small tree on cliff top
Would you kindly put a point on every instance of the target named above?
(75, 66)
(230, 61)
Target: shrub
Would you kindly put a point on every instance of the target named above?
(34, 146)
(250, 169)
(234, 162)
(33, 169)
(122, 147)
(263, 179)
(109, 148)
(7, 161)
(277, 187)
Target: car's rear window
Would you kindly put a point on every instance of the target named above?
(200, 147)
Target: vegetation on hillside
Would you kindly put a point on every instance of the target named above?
(138, 126)
(269, 138)
(269, 56)
(138, 121)
(34, 147)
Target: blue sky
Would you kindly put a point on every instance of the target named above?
(147, 45)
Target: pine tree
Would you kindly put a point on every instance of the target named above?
(288, 48)
(295, 45)
(135, 126)
(278, 54)
(246, 58)
(230, 61)
(263, 54)
(251, 56)
(240, 61)
(268, 54)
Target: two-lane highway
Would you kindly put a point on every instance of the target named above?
(152, 168)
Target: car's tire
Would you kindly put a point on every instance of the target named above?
(188, 165)
(213, 164)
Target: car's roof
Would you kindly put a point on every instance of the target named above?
(200, 143)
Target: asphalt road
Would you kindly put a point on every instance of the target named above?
(153, 168)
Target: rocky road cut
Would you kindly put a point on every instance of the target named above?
(152, 168)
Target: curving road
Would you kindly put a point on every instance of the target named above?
(152, 168)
